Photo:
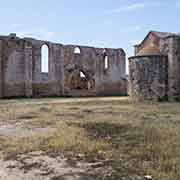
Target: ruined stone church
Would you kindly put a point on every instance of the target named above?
(67, 70)
(154, 71)
(73, 70)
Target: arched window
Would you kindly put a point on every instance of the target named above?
(77, 50)
(106, 62)
(44, 59)
(82, 75)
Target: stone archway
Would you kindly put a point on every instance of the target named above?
(80, 80)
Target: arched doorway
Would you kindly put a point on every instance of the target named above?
(80, 80)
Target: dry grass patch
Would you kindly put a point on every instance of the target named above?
(73, 138)
(10, 147)
(138, 138)
(65, 139)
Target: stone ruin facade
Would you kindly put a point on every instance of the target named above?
(72, 70)
(154, 71)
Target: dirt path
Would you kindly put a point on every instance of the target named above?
(38, 166)
(59, 100)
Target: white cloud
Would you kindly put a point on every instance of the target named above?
(45, 34)
(140, 6)
(40, 33)
(130, 8)
(15, 25)
(133, 28)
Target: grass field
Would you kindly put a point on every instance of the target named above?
(131, 139)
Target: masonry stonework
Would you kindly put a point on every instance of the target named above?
(21, 75)
(154, 71)
(149, 77)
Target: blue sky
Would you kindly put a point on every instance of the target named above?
(101, 23)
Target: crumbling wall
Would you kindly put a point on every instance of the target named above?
(76, 63)
(70, 73)
(155, 70)
(148, 77)
(172, 48)
(111, 81)
(20, 63)
(151, 45)
(90, 61)
(51, 83)
(13, 68)
(1, 69)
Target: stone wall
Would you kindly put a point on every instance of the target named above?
(172, 48)
(148, 77)
(20, 69)
(1, 69)
(111, 81)
(148, 46)
(51, 83)
(155, 69)
(13, 67)
(90, 61)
